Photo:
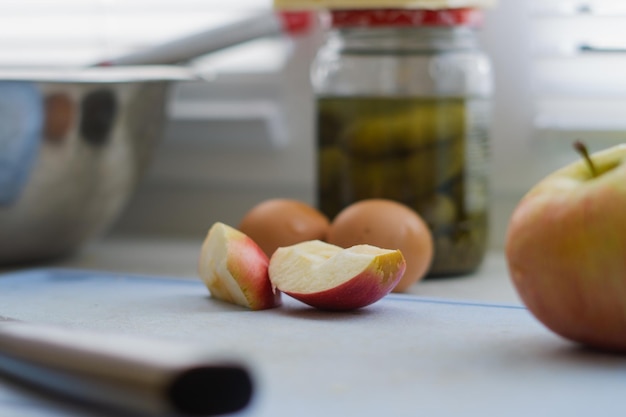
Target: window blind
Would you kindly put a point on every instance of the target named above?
(578, 68)
(80, 32)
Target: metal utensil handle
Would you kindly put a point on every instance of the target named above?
(187, 48)
(134, 374)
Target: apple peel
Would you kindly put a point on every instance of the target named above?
(235, 269)
(565, 249)
(329, 277)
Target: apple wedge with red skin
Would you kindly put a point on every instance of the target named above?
(566, 250)
(329, 277)
(235, 269)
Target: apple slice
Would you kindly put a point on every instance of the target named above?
(329, 277)
(235, 269)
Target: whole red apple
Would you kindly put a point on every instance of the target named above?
(566, 250)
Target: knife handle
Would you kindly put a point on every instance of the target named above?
(150, 376)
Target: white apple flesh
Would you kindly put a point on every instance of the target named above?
(235, 269)
(566, 251)
(329, 277)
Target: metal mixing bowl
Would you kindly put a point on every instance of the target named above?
(73, 145)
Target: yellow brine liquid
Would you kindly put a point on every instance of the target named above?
(428, 153)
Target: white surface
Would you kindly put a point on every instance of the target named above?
(403, 356)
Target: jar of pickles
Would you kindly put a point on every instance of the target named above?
(403, 112)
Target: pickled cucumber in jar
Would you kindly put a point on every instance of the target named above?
(428, 153)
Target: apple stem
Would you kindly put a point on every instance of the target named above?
(582, 150)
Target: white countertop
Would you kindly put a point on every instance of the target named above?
(178, 258)
(456, 348)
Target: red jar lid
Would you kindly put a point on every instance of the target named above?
(297, 22)
(406, 17)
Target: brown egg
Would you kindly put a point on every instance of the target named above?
(283, 222)
(390, 225)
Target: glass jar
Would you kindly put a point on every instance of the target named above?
(403, 112)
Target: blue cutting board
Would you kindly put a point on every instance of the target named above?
(403, 356)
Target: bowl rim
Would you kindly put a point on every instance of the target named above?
(102, 74)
